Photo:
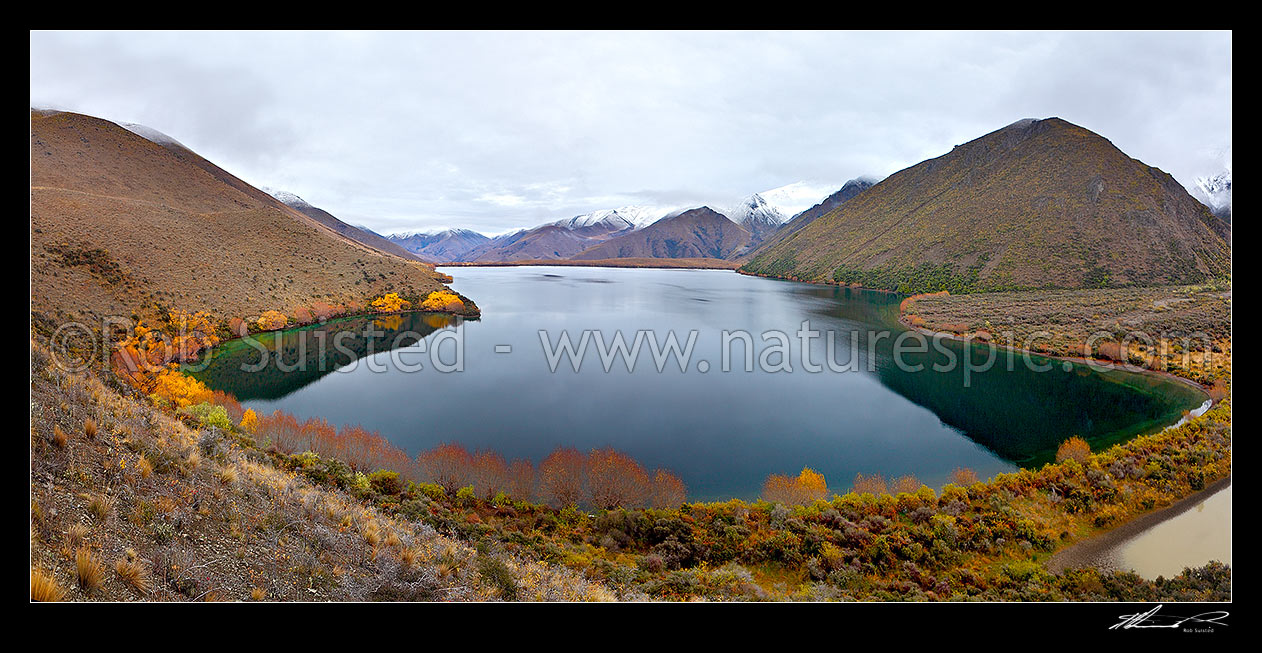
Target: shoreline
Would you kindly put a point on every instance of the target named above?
(646, 263)
(1089, 552)
(1094, 363)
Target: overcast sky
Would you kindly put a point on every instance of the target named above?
(493, 131)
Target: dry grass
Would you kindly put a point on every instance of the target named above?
(44, 589)
(100, 506)
(133, 573)
(89, 571)
(144, 467)
(76, 534)
(258, 594)
(60, 439)
(89, 428)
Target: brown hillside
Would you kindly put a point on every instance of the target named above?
(120, 224)
(1040, 203)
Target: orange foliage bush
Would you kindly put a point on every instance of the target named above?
(448, 465)
(489, 474)
(807, 487)
(874, 484)
(1074, 448)
(562, 477)
(668, 490)
(521, 480)
(614, 480)
(963, 476)
(250, 421)
(906, 484)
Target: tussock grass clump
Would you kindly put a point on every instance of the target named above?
(100, 506)
(76, 534)
(60, 439)
(144, 467)
(89, 428)
(227, 475)
(89, 571)
(44, 588)
(133, 573)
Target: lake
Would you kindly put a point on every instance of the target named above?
(888, 407)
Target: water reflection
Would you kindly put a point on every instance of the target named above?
(299, 357)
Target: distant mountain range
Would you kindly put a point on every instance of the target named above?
(674, 232)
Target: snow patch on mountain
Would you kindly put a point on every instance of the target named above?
(287, 198)
(1214, 191)
(149, 134)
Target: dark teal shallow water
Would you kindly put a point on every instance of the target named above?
(722, 432)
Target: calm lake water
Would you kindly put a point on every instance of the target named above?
(1190, 539)
(722, 432)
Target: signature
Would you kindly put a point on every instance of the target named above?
(1151, 619)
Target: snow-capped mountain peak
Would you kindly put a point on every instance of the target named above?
(755, 211)
(620, 218)
(1215, 192)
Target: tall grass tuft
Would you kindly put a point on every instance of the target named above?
(88, 570)
(44, 589)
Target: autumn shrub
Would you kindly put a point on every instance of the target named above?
(390, 303)
(489, 473)
(1074, 448)
(385, 482)
(963, 476)
(906, 484)
(562, 477)
(668, 490)
(807, 487)
(271, 321)
(249, 421)
(442, 300)
(447, 465)
(208, 415)
(179, 389)
(615, 479)
(873, 484)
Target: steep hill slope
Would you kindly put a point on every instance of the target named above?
(360, 235)
(1039, 203)
(121, 224)
(698, 233)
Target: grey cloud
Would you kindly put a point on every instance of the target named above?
(499, 130)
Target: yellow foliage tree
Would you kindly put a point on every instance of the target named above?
(272, 320)
(390, 303)
(442, 300)
(180, 389)
(250, 421)
(807, 487)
